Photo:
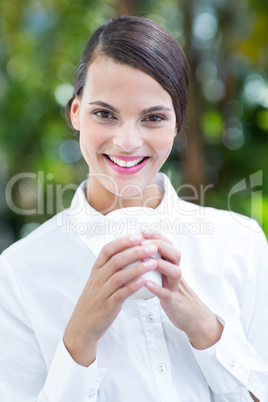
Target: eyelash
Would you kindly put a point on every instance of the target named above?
(103, 111)
(159, 118)
(106, 112)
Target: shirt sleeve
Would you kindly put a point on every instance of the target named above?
(238, 363)
(24, 375)
(68, 381)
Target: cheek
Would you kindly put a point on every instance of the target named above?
(91, 138)
(88, 146)
(163, 143)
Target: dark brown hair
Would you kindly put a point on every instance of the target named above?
(140, 43)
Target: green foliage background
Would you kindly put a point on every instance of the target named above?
(224, 141)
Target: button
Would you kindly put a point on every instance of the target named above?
(92, 394)
(232, 363)
(150, 317)
(162, 368)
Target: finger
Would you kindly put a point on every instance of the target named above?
(115, 247)
(171, 274)
(165, 295)
(125, 258)
(132, 255)
(118, 297)
(168, 251)
(147, 234)
(124, 276)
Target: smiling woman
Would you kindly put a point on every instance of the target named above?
(127, 142)
(80, 319)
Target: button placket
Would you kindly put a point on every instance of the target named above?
(151, 317)
(157, 349)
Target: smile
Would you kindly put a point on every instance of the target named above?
(126, 164)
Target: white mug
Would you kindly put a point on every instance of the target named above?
(131, 221)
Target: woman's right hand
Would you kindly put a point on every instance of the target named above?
(105, 292)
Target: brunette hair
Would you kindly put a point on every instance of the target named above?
(140, 43)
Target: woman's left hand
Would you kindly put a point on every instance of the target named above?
(182, 306)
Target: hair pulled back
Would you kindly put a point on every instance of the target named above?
(140, 43)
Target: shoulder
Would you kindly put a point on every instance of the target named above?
(217, 221)
(48, 245)
(188, 218)
(54, 233)
(44, 232)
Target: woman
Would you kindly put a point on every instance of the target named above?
(70, 329)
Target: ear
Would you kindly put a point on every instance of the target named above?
(75, 113)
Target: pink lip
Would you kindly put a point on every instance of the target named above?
(127, 158)
(127, 170)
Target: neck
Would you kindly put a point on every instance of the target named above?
(103, 201)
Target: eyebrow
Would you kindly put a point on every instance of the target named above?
(155, 109)
(104, 104)
(143, 112)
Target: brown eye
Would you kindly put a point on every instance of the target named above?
(154, 118)
(104, 114)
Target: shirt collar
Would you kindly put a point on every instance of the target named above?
(93, 227)
(82, 211)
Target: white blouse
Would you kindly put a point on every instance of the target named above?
(142, 357)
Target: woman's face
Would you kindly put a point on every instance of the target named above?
(127, 127)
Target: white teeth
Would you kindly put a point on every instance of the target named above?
(122, 163)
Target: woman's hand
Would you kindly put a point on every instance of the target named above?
(102, 298)
(182, 306)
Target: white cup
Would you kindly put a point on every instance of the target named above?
(154, 276)
(131, 221)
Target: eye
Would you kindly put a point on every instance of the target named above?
(104, 114)
(154, 118)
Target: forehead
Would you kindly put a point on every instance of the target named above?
(107, 78)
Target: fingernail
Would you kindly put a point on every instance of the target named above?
(147, 231)
(139, 281)
(136, 238)
(146, 242)
(150, 263)
(151, 249)
(150, 284)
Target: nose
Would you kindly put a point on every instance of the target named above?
(128, 137)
